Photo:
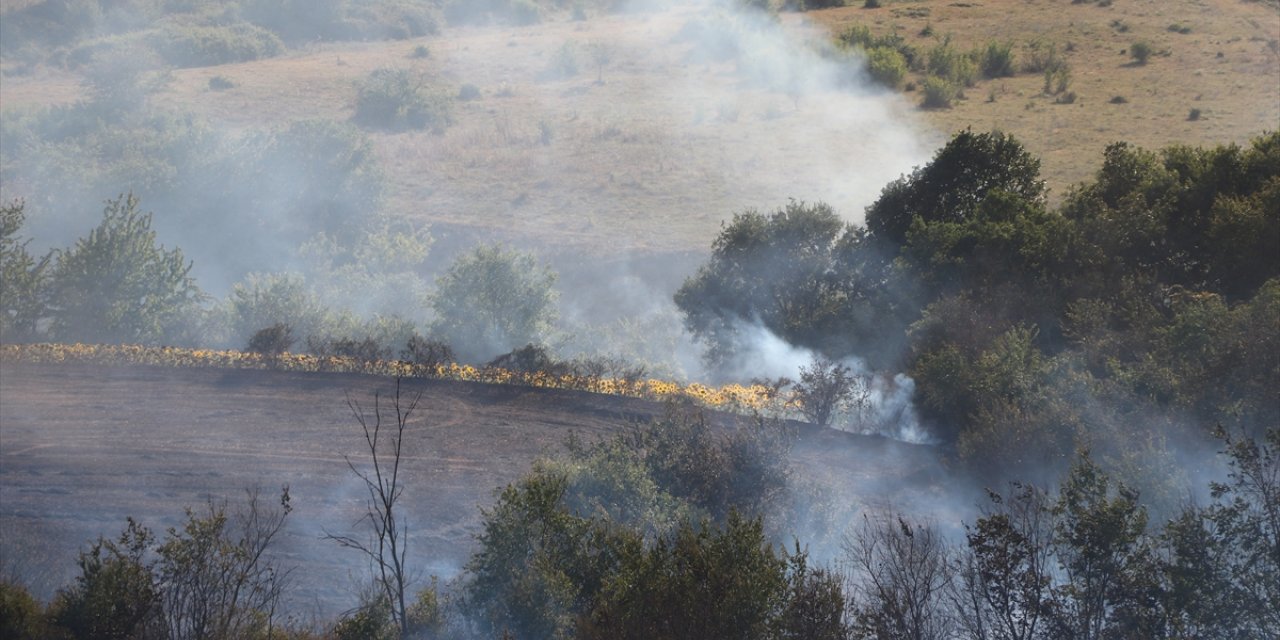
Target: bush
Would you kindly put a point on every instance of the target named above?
(996, 60)
(950, 64)
(367, 349)
(824, 385)
(468, 92)
(200, 46)
(939, 93)
(220, 83)
(426, 354)
(120, 285)
(1141, 51)
(399, 99)
(491, 300)
(886, 66)
(1194, 115)
(272, 341)
(1042, 56)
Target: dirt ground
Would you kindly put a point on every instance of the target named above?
(83, 447)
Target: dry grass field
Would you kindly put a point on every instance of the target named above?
(654, 149)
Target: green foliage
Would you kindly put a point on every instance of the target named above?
(118, 285)
(491, 300)
(23, 296)
(886, 66)
(939, 93)
(117, 594)
(400, 99)
(953, 185)
(996, 60)
(264, 301)
(185, 45)
(1141, 51)
(860, 36)
(950, 64)
(21, 616)
(700, 583)
(824, 385)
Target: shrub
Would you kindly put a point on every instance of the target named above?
(1194, 115)
(1118, 100)
(824, 385)
(950, 64)
(425, 354)
(419, 52)
(220, 83)
(871, 4)
(272, 341)
(1057, 80)
(531, 358)
(564, 62)
(367, 349)
(1141, 51)
(996, 60)
(491, 300)
(1042, 56)
(524, 12)
(939, 93)
(468, 92)
(200, 46)
(119, 285)
(886, 66)
(399, 99)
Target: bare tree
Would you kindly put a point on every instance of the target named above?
(901, 573)
(217, 581)
(387, 546)
(1003, 587)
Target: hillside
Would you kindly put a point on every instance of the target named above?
(652, 149)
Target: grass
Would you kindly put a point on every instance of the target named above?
(679, 166)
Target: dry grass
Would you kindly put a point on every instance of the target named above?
(1228, 66)
(638, 162)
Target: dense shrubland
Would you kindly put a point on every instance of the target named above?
(1135, 316)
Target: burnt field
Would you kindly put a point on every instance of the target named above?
(84, 447)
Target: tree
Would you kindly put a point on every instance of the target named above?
(491, 300)
(777, 270)
(217, 579)
(1110, 586)
(23, 294)
(387, 546)
(118, 285)
(955, 182)
(824, 386)
(1003, 581)
(901, 574)
(117, 594)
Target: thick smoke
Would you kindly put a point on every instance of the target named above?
(881, 403)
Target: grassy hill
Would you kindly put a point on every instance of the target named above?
(657, 145)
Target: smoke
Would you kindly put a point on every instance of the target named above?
(880, 403)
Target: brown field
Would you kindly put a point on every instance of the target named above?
(84, 447)
(662, 149)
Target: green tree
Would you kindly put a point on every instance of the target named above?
(1111, 587)
(23, 278)
(118, 285)
(491, 300)
(117, 594)
(699, 583)
(775, 269)
(953, 185)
